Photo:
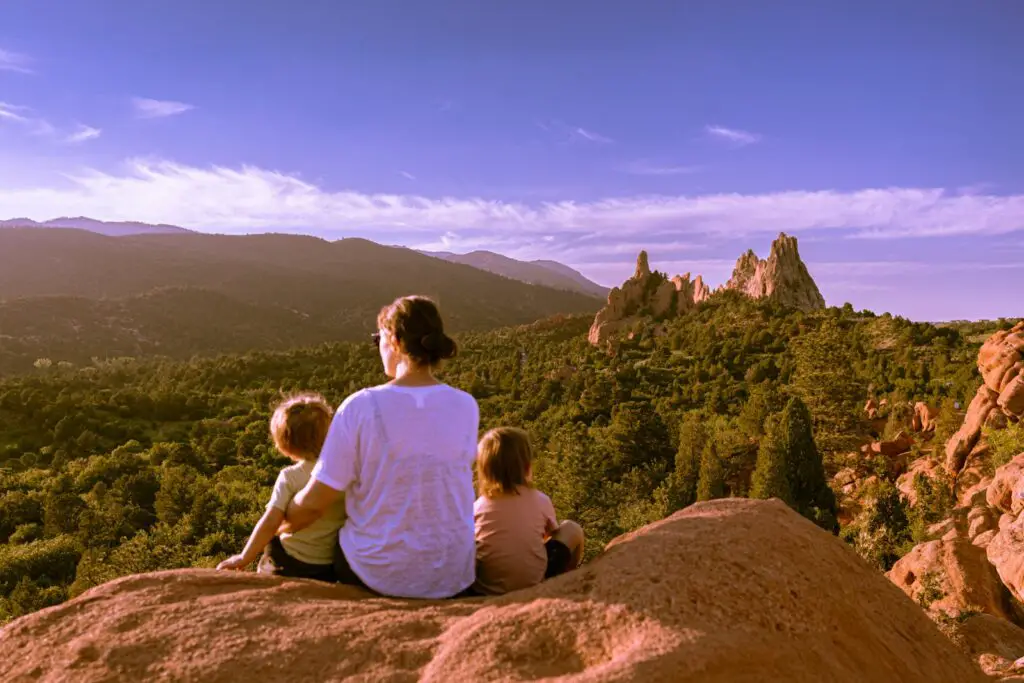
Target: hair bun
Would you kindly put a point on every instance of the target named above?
(432, 341)
(439, 344)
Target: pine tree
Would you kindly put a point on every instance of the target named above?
(771, 474)
(825, 379)
(712, 474)
(789, 467)
(683, 482)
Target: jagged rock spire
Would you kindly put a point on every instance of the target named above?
(643, 269)
(782, 276)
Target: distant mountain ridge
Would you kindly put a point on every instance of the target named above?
(108, 228)
(69, 295)
(541, 272)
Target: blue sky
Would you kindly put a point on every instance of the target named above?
(885, 135)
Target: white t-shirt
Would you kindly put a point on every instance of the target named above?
(404, 456)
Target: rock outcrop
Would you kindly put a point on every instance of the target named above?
(782, 276)
(924, 418)
(999, 398)
(730, 590)
(974, 567)
(645, 294)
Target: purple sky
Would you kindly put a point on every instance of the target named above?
(885, 135)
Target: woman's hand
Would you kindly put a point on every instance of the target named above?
(234, 563)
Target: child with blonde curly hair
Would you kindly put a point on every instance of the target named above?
(298, 426)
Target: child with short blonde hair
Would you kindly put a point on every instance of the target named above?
(298, 427)
(519, 541)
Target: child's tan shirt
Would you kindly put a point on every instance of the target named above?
(315, 544)
(510, 533)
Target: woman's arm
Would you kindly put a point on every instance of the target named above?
(309, 505)
(265, 530)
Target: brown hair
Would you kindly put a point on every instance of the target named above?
(416, 325)
(503, 459)
(299, 426)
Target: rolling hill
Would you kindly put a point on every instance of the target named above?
(70, 295)
(547, 273)
(111, 229)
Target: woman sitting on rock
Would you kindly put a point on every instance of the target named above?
(402, 454)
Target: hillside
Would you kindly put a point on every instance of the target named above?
(109, 228)
(546, 273)
(69, 295)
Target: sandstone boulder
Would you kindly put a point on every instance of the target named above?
(961, 443)
(951, 576)
(901, 443)
(924, 417)
(1000, 397)
(871, 409)
(1006, 553)
(1000, 357)
(725, 591)
(1007, 487)
(994, 643)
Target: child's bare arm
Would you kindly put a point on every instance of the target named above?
(309, 504)
(265, 530)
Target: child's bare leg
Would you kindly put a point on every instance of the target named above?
(570, 534)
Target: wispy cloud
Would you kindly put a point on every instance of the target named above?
(13, 61)
(249, 198)
(569, 134)
(35, 125)
(83, 134)
(734, 136)
(591, 136)
(154, 109)
(11, 112)
(406, 174)
(644, 167)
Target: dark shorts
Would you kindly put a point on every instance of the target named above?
(278, 562)
(559, 558)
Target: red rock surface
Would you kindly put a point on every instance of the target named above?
(960, 575)
(726, 591)
(1001, 364)
(924, 417)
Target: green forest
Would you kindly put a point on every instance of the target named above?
(126, 465)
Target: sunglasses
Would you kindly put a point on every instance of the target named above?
(376, 339)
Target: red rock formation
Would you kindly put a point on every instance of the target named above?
(1000, 362)
(645, 293)
(924, 417)
(782, 276)
(871, 408)
(899, 444)
(731, 590)
(958, 576)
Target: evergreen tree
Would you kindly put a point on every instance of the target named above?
(825, 378)
(712, 474)
(771, 475)
(809, 492)
(682, 490)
